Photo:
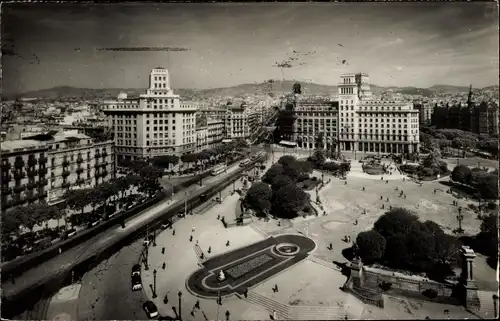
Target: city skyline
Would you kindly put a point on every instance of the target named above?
(398, 44)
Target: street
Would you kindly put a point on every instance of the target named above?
(79, 253)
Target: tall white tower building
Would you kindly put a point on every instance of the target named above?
(156, 123)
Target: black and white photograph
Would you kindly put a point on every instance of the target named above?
(202, 161)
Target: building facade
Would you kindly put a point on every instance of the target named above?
(23, 173)
(358, 121)
(157, 123)
(315, 117)
(425, 110)
(67, 160)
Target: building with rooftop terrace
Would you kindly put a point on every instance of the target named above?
(156, 123)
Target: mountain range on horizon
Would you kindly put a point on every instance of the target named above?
(275, 87)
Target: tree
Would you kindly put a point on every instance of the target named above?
(447, 247)
(461, 174)
(280, 181)
(10, 224)
(421, 247)
(272, 172)
(396, 221)
(259, 196)
(149, 183)
(318, 158)
(319, 140)
(288, 201)
(188, 158)
(165, 161)
(371, 245)
(488, 187)
(287, 160)
(77, 200)
(396, 252)
(487, 239)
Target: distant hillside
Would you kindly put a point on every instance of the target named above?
(277, 87)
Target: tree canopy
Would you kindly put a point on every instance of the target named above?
(288, 201)
(258, 197)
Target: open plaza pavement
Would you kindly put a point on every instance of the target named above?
(308, 289)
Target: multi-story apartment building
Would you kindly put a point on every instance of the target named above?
(425, 110)
(215, 132)
(23, 172)
(70, 160)
(362, 122)
(157, 123)
(316, 116)
(237, 122)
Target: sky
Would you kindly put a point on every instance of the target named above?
(397, 44)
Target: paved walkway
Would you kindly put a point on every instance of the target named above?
(181, 260)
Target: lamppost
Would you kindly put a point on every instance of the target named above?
(495, 305)
(179, 295)
(185, 202)
(154, 284)
(460, 217)
(154, 237)
(218, 300)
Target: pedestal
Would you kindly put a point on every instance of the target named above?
(470, 297)
(356, 273)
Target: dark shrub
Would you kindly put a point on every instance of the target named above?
(371, 246)
(492, 206)
(385, 286)
(430, 293)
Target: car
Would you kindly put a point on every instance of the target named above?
(136, 282)
(167, 224)
(150, 309)
(69, 233)
(182, 213)
(93, 223)
(136, 269)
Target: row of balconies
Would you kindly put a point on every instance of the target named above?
(20, 163)
(6, 190)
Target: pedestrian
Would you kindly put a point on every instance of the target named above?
(173, 232)
(387, 181)
(356, 222)
(245, 293)
(193, 229)
(345, 182)
(363, 188)
(164, 265)
(218, 216)
(275, 315)
(60, 250)
(227, 243)
(209, 250)
(404, 196)
(202, 256)
(165, 299)
(276, 287)
(190, 238)
(382, 178)
(383, 207)
(196, 242)
(324, 213)
(163, 250)
(381, 197)
(197, 304)
(330, 246)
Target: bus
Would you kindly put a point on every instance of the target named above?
(218, 169)
(244, 162)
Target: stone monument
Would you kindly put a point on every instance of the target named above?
(221, 277)
(469, 287)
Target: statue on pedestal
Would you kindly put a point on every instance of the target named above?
(221, 276)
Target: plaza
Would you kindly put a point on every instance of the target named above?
(309, 289)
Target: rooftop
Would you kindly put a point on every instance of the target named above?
(12, 145)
